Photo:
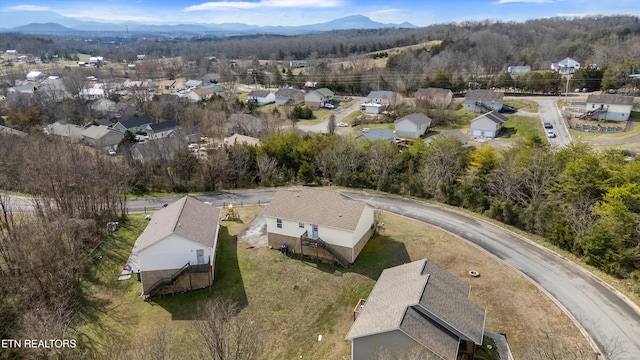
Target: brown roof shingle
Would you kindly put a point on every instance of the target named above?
(316, 206)
(188, 218)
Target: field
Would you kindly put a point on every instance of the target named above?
(294, 300)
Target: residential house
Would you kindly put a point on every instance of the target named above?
(141, 57)
(7, 131)
(103, 107)
(295, 64)
(134, 125)
(167, 85)
(413, 125)
(54, 89)
(483, 100)
(161, 129)
(11, 52)
(320, 223)
(241, 140)
(69, 132)
(96, 60)
(379, 101)
(433, 98)
(191, 134)
(515, 70)
(377, 134)
(177, 249)
(200, 94)
(566, 66)
(217, 89)
(160, 149)
(464, 139)
(488, 125)
(102, 137)
(36, 76)
(191, 84)
(261, 97)
(244, 124)
(92, 93)
(612, 107)
(420, 311)
(289, 97)
(318, 98)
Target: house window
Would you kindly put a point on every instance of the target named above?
(301, 225)
(279, 223)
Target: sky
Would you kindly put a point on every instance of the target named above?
(303, 12)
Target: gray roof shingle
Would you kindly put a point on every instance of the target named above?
(427, 303)
(483, 95)
(613, 99)
(416, 118)
(316, 206)
(188, 218)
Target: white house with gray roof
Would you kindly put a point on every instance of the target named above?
(413, 125)
(613, 107)
(419, 311)
(488, 125)
(177, 249)
(289, 97)
(261, 97)
(318, 98)
(319, 223)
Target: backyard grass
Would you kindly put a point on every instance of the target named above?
(521, 127)
(293, 300)
(522, 104)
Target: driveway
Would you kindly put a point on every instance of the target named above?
(340, 113)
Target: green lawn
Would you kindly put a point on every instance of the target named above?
(521, 127)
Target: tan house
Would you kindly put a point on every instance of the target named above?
(177, 249)
(167, 85)
(200, 94)
(417, 311)
(318, 98)
(319, 223)
(433, 98)
(612, 107)
(483, 100)
(241, 140)
(488, 125)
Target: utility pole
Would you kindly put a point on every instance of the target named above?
(566, 91)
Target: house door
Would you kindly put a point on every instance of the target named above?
(200, 256)
(314, 231)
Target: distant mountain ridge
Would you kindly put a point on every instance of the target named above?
(53, 23)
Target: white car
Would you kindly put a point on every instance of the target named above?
(329, 106)
(111, 152)
(342, 124)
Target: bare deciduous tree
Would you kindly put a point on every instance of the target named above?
(225, 333)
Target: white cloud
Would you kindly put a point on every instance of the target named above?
(242, 5)
(29, 8)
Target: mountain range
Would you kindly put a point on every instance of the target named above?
(47, 22)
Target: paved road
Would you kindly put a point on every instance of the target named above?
(340, 113)
(548, 112)
(609, 318)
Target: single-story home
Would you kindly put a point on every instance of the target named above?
(241, 140)
(320, 223)
(613, 107)
(134, 125)
(192, 84)
(69, 132)
(200, 94)
(318, 98)
(518, 69)
(379, 101)
(433, 98)
(36, 76)
(161, 129)
(177, 249)
(103, 106)
(566, 66)
(488, 125)
(161, 149)
(413, 125)
(261, 97)
(420, 311)
(244, 124)
(483, 100)
(102, 137)
(167, 85)
(377, 134)
(289, 97)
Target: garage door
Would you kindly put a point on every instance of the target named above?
(488, 134)
(476, 132)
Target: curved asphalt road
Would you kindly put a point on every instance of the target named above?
(611, 320)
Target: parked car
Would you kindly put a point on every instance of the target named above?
(551, 134)
(111, 152)
(506, 109)
(329, 106)
(342, 124)
(548, 125)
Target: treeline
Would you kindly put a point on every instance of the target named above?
(46, 254)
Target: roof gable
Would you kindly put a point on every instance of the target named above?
(417, 119)
(424, 301)
(134, 122)
(612, 99)
(495, 117)
(315, 206)
(165, 125)
(188, 218)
